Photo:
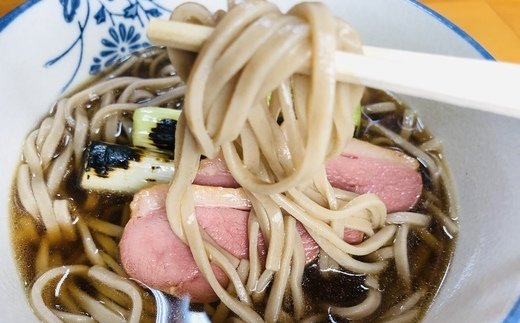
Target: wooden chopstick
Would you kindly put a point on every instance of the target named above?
(479, 84)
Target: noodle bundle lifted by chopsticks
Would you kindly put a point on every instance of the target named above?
(275, 130)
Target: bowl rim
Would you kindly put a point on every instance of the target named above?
(13, 14)
(451, 25)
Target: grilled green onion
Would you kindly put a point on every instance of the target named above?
(123, 169)
(154, 129)
(356, 115)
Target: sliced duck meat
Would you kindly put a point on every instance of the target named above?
(361, 148)
(214, 172)
(361, 168)
(397, 185)
(366, 168)
(152, 254)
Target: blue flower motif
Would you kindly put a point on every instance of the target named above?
(100, 16)
(154, 12)
(121, 43)
(121, 39)
(69, 9)
(131, 11)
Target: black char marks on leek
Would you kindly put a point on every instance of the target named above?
(163, 136)
(103, 157)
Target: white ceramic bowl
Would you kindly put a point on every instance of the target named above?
(50, 46)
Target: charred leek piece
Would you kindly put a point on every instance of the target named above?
(123, 169)
(154, 129)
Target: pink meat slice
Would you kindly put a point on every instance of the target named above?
(366, 168)
(361, 168)
(397, 185)
(153, 255)
(228, 228)
(214, 172)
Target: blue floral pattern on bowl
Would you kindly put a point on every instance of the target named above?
(123, 23)
(120, 43)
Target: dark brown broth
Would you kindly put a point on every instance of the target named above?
(428, 267)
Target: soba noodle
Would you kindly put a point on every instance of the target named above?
(238, 88)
